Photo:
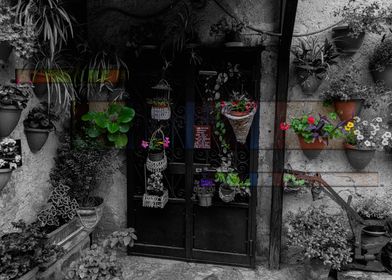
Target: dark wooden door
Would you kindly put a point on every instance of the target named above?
(225, 232)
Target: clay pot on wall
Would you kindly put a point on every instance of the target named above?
(5, 51)
(316, 270)
(311, 150)
(90, 216)
(311, 84)
(40, 82)
(346, 110)
(383, 76)
(9, 118)
(5, 176)
(358, 159)
(36, 138)
(233, 39)
(345, 43)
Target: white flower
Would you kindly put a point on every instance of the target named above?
(18, 158)
(360, 137)
(357, 119)
(373, 133)
(365, 123)
(2, 163)
(385, 142)
(387, 135)
(357, 132)
(378, 119)
(367, 143)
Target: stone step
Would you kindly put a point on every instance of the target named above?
(363, 275)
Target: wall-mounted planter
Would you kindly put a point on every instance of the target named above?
(345, 44)
(65, 232)
(5, 51)
(227, 194)
(9, 118)
(358, 159)
(160, 113)
(383, 76)
(311, 84)
(90, 216)
(40, 82)
(5, 176)
(346, 110)
(36, 138)
(311, 150)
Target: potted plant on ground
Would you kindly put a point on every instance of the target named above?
(348, 96)
(112, 124)
(363, 138)
(204, 190)
(10, 159)
(240, 111)
(292, 184)
(312, 61)
(314, 134)
(38, 125)
(156, 195)
(323, 238)
(100, 261)
(381, 63)
(231, 29)
(358, 18)
(156, 158)
(12, 101)
(374, 207)
(230, 184)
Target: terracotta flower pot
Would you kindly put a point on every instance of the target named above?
(5, 51)
(90, 216)
(205, 199)
(383, 76)
(346, 110)
(344, 43)
(316, 270)
(5, 176)
(36, 138)
(311, 150)
(358, 159)
(9, 118)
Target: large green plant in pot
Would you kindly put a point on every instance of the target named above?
(12, 101)
(111, 126)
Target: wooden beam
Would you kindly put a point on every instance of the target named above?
(287, 27)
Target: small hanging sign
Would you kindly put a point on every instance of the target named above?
(202, 136)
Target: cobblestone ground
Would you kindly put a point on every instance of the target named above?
(140, 268)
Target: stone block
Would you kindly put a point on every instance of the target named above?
(362, 275)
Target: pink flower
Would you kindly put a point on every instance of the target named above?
(311, 120)
(166, 142)
(284, 126)
(144, 144)
(17, 81)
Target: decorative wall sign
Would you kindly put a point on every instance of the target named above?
(202, 136)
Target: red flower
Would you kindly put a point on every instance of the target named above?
(284, 126)
(223, 104)
(311, 120)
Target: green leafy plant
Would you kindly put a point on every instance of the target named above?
(23, 250)
(114, 123)
(52, 22)
(291, 182)
(382, 56)
(320, 236)
(41, 117)
(159, 102)
(365, 17)
(10, 155)
(239, 103)
(373, 207)
(14, 96)
(100, 262)
(312, 129)
(313, 58)
(156, 144)
(233, 181)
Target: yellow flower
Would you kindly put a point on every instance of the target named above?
(347, 128)
(350, 124)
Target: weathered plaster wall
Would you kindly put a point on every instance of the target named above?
(28, 188)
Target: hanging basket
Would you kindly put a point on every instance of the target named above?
(240, 123)
(160, 113)
(227, 195)
(157, 162)
(154, 201)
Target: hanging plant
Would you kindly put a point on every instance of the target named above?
(160, 104)
(156, 159)
(231, 184)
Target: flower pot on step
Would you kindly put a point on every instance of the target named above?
(5, 175)
(383, 76)
(205, 199)
(346, 110)
(346, 44)
(5, 51)
(90, 216)
(65, 232)
(9, 118)
(358, 159)
(311, 150)
(316, 270)
(36, 138)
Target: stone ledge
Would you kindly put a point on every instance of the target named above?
(362, 275)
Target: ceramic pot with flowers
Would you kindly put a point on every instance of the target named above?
(345, 41)
(205, 189)
(156, 158)
(380, 64)
(231, 29)
(10, 159)
(314, 134)
(363, 138)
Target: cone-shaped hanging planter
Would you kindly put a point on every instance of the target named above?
(240, 122)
